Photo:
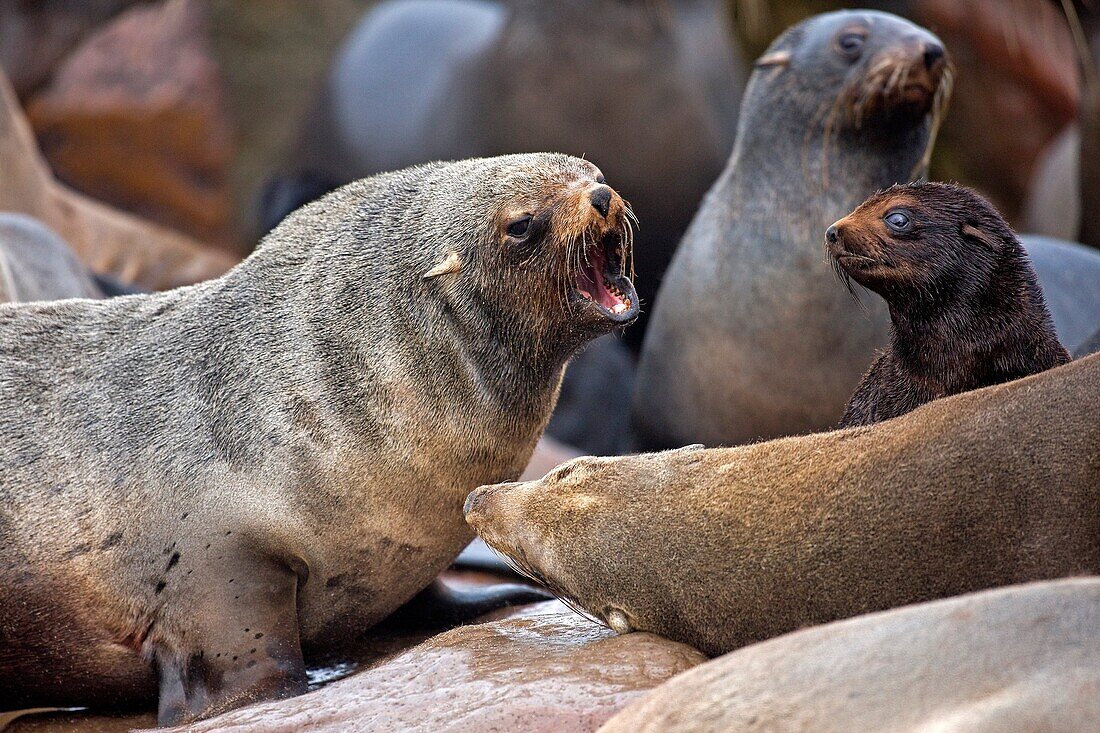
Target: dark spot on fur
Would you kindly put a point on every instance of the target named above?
(251, 664)
(81, 549)
(258, 635)
(111, 540)
(335, 581)
(252, 651)
(183, 516)
(160, 586)
(172, 561)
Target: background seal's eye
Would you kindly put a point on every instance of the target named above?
(851, 44)
(519, 227)
(600, 179)
(898, 221)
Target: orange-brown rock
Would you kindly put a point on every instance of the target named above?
(107, 240)
(135, 117)
(546, 670)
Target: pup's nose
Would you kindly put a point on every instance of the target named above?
(601, 199)
(933, 53)
(831, 235)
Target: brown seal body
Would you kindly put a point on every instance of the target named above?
(1011, 660)
(214, 483)
(749, 338)
(725, 547)
(966, 308)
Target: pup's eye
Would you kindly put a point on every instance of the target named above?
(851, 44)
(898, 221)
(519, 227)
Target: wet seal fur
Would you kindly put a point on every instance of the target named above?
(725, 547)
(1018, 659)
(749, 338)
(220, 481)
(966, 307)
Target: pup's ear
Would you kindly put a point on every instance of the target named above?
(775, 58)
(450, 264)
(973, 232)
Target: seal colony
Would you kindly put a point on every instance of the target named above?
(725, 547)
(966, 308)
(749, 338)
(248, 468)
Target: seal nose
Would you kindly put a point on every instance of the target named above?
(601, 199)
(933, 53)
(831, 234)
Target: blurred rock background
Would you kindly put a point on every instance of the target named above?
(178, 110)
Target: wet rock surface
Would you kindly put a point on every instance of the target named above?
(545, 669)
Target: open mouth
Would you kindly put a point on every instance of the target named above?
(602, 280)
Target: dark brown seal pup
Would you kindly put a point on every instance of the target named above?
(725, 547)
(966, 308)
(1012, 660)
(217, 481)
(749, 338)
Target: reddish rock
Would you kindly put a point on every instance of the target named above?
(543, 671)
(105, 239)
(135, 117)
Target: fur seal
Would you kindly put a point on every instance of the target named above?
(649, 89)
(1070, 276)
(250, 468)
(966, 308)
(36, 264)
(1010, 660)
(725, 547)
(749, 338)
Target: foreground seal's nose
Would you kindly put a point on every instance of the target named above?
(831, 234)
(601, 199)
(933, 52)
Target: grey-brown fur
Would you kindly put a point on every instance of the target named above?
(749, 337)
(726, 547)
(266, 464)
(36, 264)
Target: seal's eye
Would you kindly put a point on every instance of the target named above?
(600, 179)
(898, 221)
(851, 44)
(519, 227)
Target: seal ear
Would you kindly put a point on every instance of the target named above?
(775, 58)
(451, 263)
(969, 230)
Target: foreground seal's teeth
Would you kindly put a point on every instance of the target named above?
(619, 308)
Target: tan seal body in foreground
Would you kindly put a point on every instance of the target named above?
(212, 481)
(725, 547)
(1012, 660)
(750, 338)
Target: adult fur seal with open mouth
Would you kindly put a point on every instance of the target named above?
(750, 338)
(966, 307)
(725, 547)
(211, 484)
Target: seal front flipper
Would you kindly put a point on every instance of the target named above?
(441, 606)
(238, 643)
